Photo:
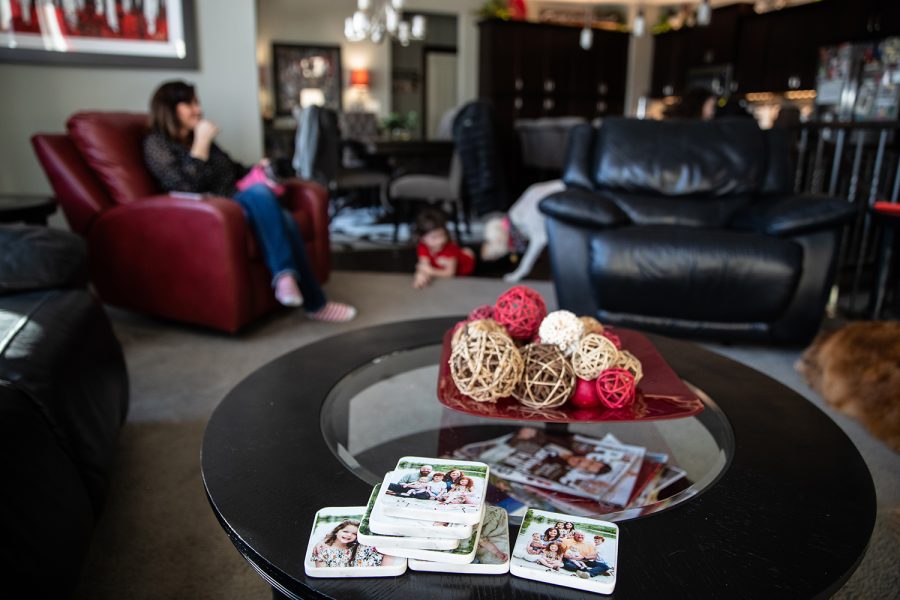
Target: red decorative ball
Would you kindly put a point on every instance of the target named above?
(520, 310)
(585, 394)
(485, 311)
(613, 338)
(615, 388)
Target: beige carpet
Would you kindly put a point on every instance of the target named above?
(158, 537)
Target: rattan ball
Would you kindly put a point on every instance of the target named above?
(585, 394)
(547, 379)
(591, 325)
(615, 388)
(628, 361)
(520, 309)
(475, 327)
(562, 329)
(485, 311)
(485, 364)
(613, 338)
(593, 353)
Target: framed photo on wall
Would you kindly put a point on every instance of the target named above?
(115, 33)
(310, 71)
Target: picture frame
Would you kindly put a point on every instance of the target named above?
(157, 34)
(297, 67)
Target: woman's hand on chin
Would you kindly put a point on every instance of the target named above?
(206, 130)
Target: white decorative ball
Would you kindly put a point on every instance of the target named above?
(562, 329)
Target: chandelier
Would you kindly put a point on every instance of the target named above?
(377, 19)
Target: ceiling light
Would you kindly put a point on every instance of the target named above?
(375, 20)
(586, 38)
(637, 28)
(704, 13)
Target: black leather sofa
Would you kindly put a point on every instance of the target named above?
(63, 399)
(690, 228)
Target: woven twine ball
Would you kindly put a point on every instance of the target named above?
(547, 380)
(562, 329)
(591, 325)
(520, 309)
(475, 327)
(593, 354)
(485, 311)
(485, 364)
(628, 361)
(613, 338)
(615, 388)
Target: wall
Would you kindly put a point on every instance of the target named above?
(318, 22)
(640, 61)
(41, 98)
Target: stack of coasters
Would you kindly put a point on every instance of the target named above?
(584, 556)
(334, 548)
(432, 511)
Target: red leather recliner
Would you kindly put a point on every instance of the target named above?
(190, 260)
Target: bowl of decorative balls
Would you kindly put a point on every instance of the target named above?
(514, 360)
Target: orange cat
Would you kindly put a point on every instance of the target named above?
(856, 369)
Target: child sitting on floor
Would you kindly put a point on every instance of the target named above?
(438, 256)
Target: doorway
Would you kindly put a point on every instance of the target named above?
(424, 76)
(440, 89)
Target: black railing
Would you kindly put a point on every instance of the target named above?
(859, 162)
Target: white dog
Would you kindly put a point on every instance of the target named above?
(526, 221)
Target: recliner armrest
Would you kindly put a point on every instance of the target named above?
(792, 215)
(583, 208)
(36, 258)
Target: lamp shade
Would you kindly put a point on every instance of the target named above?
(359, 77)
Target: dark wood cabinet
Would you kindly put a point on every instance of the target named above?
(862, 20)
(533, 70)
(777, 51)
(675, 53)
(530, 70)
(669, 63)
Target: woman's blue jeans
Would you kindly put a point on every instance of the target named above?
(280, 241)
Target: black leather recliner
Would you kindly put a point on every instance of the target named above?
(690, 228)
(63, 399)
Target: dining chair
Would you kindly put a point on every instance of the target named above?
(408, 191)
(318, 155)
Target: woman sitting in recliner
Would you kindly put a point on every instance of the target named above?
(181, 154)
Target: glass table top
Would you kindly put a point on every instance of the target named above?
(388, 408)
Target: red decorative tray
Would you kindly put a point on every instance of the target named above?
(660, 395)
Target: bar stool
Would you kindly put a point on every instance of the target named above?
(887, 215)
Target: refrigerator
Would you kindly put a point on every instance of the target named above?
(859, 81)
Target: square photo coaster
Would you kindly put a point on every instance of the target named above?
(434, 489)
(367, 536)
(334, 549)
(491, 554)
(585, 558)
(380, 524)
(462, 555)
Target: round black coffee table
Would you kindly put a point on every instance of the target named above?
(782, 503)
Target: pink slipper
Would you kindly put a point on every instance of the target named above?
(286, 291)
(333, 312)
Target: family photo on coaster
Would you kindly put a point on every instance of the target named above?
(452, 487)
(435, 489)
(556, 548)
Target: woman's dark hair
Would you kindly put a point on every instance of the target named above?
(163, 117)
(430, 219)
(547, 533)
